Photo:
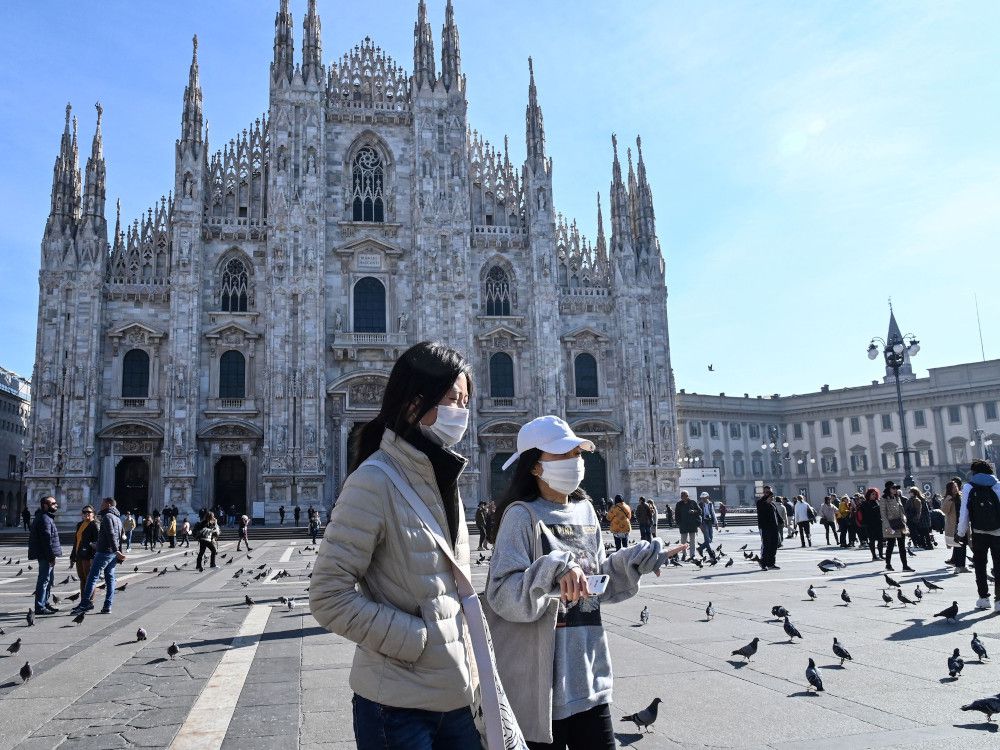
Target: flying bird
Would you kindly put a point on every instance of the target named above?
(845, 597)
(140, 634)
(987, 706)
(26, 672)
(955, 664)
(172, 650)
(711, 368)
(791, 631)
(903, 598)
(932, 586)
(892, 581)
(748, 650)
(710, 611)
(646, 717)
(840, 652)
(16, 646)
(951, 613)
(977, 647)
(813, 676)
(644, 615)
(811, 592)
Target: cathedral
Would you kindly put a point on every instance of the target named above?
(222, 347)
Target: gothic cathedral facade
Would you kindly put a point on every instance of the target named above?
(222, 348)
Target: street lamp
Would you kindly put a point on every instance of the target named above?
(983, 442)
(895, 352)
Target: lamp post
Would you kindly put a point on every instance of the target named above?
(983, 442)
(777, 445)
(895, 352)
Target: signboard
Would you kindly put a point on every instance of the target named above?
(258, 512)
(708, 479)
(369, 261)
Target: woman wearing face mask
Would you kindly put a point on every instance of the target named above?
(545, 624)
(381, 579)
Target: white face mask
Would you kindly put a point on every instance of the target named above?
(449, 427)
(563, 475)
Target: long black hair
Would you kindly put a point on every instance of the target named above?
(422, 375)
(523, 487)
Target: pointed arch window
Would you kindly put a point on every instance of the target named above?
(496, 295)
(368, 191)
(369, 306)
(235, 286)
(232, 375)
(501, 376)
(585, 375)
(135, 374)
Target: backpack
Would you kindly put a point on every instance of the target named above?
(984, 508)
(812, 514)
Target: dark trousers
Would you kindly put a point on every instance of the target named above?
(244, 539)
(872, 541)
(202, 546)
(587, 730)
(769, 540)
(379, 727)
(958, 556)
(889, 544)
(645, 532)
(984, 545)
(804, 533)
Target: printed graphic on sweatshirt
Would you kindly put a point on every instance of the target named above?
(578, 541)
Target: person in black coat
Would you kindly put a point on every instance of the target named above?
(770, 530)
(871, 522)
(44, 546)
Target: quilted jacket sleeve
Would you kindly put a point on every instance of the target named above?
(626, 566)
(352, 539)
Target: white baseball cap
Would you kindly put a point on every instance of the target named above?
(704, 495)
(549, 434)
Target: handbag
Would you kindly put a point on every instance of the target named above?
(501, 731)
(897, 524)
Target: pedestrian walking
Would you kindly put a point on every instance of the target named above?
(894, 528)
(980, 518)
(644, 519)
(804, 516)
(828, 518)
(297, 511)
(620, 518)
(172, 531)
(206, 532)
(723, 510)
(871, 522)
(481, 526)
(44, 546)
(770, 525)
(26, 519)
(688, 515)
(779, 507)
(951, 506)
(128, 526)
(185, 540)
(654, 517)
(380, 561)
(243, 526)
(313, 516)
(147, 532)
(281, 515)
(565, 694)
(84, 545)
(708, 523)
(106, 559)
(157, 529)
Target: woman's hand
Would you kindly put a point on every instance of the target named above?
(666, 555)
(573, 585)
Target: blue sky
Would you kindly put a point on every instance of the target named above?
(808, 159)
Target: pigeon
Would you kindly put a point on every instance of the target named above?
(283, 600)
(479, 560)
(74, 597)
(840, 652)
(26, 672)
(79, 618)
(791, 631)
(743, 548)
(987, 706)
(747, 555)
(644, 615)
(135, 569)
(140, 634)
(155, 570)
(811, 592)
(291, 603)
(813, 676)
(748, 650)
(918, 593)
(16, 646)
(249, 602)
(4, 632)
(122, 587)
(891, 581)
(977, 647)
(699, 563)
(714, 562)
(710, 611)
(230, 561)
(249, 558)
(162, 573)
(64, 582)
(31, 618)
(845, 597)
(223, 556)
(955, 664)
(729, 564)
(931, 586)
(55, 599)
(903, 598)
(886, 598)
(646, 717)
(778, 611)
(172, 650)
(830, 565)
(19, 572)
(675, 562)
(176, 566)
(951, 613)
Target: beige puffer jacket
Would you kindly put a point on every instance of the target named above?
(381, 581)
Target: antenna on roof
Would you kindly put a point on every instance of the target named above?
(979, 323)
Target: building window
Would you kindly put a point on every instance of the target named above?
(713, 430)
(585, 375)
(232, 375)
(754, 432)
(889, 459)
(694, 429)
(501, 376)
(739, 465)
(886, 422)
(235, 286)
(855, 425)
(991, 411)
(11, 466)
(954, 415)
(925, 457)
(369, 186)
(757, 466)
(797, 430)
(800, 466)
(741, 493)
(958, 454)
(824, 428)
(135, 374)
(496, 295)
(734, 431)
(369, 306)
(829, 463)
(918, 418)
(859, 462)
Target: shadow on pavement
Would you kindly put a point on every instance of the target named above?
(985, 725)
(804, 694)
(921, 628)
(737, 664)
(626, 740)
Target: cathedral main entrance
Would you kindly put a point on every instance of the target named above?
(132, 485)
(499, 479)
(231, 484)
(595, 480)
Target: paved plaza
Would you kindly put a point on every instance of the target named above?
(265, 676)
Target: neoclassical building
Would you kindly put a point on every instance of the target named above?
(224, 346)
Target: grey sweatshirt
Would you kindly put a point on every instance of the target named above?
(518, 587)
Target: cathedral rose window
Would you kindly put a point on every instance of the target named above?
(368, 186)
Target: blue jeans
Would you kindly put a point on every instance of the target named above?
(128, 539)
(104, 564)
(386, 728)
(43, 587)
(706, 532)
